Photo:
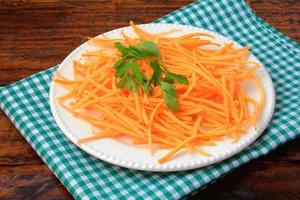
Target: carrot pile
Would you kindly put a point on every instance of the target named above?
(212, 107)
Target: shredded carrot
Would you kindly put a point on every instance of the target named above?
(212, 107)
(97, 136)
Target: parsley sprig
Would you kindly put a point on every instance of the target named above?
(131, 76)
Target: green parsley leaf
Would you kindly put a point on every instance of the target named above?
(135, 87)
(145, 86)
(157, 72)
(119, 63)
(136, 73)
(169, 94)
(123, 69)
(178, 78)
(131, 84)
(122, 82)
(137, 52)
(168, 79)
(151, 48)
(128, 84)
(124, 50)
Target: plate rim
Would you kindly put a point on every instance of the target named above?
(164, 167)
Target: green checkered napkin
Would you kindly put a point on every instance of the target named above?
(26, 103)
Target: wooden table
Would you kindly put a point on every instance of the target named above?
(36, 34)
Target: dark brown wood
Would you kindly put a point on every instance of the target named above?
(30, 182)
(36, 34)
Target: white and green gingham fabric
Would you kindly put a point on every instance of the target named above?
(26, 103)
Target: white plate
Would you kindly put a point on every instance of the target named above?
(122, 154)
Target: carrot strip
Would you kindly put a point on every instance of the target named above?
(96, 136)
(196, 126)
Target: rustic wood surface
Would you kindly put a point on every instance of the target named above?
(37, 34)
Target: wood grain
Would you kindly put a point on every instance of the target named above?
(30, 182)
(36, 34)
